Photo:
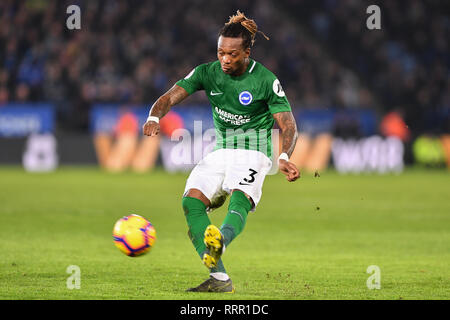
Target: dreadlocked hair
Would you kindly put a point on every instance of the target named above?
(239, 26)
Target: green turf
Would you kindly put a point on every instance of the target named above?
(312, 239)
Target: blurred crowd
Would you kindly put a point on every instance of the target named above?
(406, 64)
(131, 52)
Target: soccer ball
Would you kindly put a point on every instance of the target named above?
(134, 235)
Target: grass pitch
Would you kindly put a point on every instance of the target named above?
(311, 239)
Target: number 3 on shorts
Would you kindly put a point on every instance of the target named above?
(251, 176)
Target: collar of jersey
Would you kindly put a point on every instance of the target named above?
(250, 64)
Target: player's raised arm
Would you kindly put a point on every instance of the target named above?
(286, 122)
(175, 95)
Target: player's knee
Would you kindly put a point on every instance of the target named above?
(197, 194)
(240, 202)
(239, 197)
(191, 204)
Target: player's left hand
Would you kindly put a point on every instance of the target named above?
(289, 170)
(151, 128)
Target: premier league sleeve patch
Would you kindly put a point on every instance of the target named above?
(245, 98)
(276, 86)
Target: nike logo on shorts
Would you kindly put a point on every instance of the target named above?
(215, 93)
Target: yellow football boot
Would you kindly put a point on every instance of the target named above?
(214, 244)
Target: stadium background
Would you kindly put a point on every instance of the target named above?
(340, 77)
(364, 100)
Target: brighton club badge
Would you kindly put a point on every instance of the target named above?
(245, 98)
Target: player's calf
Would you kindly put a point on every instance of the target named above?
(236, 217)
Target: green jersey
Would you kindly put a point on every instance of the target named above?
(242, 106)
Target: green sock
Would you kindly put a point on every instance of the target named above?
(236, 217)
(197, 220)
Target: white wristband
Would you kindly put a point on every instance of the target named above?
(152, 118)
(283, 156)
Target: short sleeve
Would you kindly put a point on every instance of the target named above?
(276, 100)
(194, 80)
